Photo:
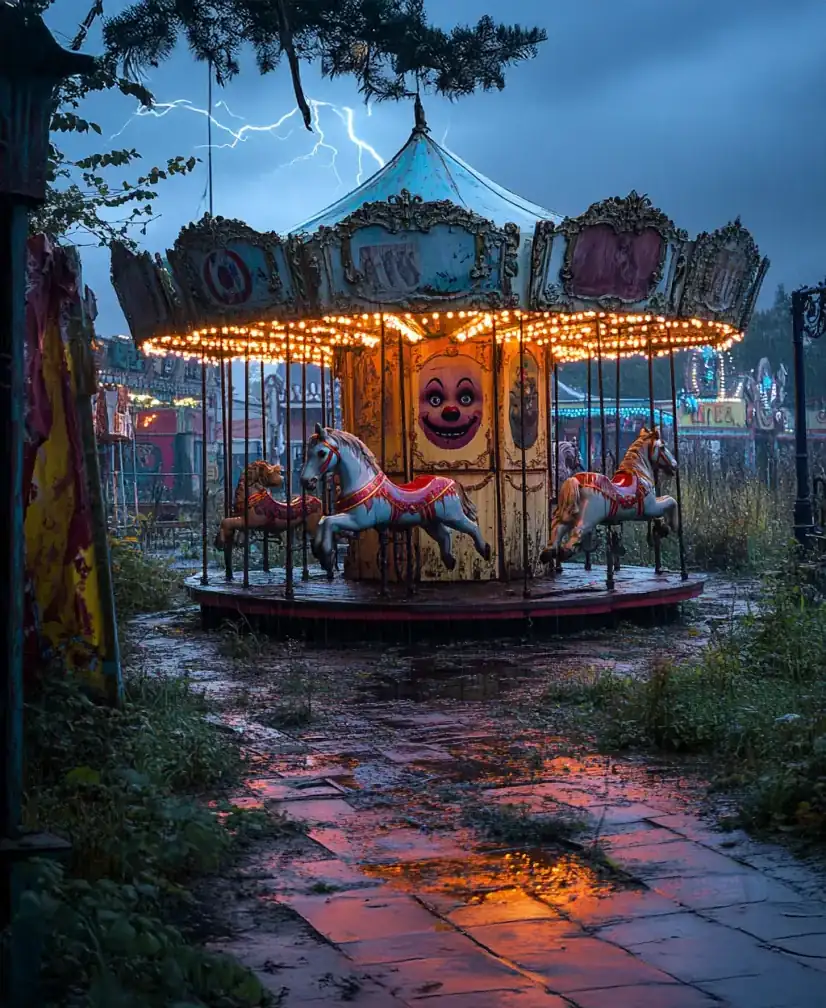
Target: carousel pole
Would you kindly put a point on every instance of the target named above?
(383, 536)
(589, 432)
(323, 424)
(502, 572)
(289, 591)
(266, 543)
(305, 571)
(558, 562)
(407, 461)
(524, 460)
(652, 419)
(246, 466)
(609, 560)
(230, 463)
(548, 424)
(678, 487)
(615, 532)
(225, 460)
(204, 494)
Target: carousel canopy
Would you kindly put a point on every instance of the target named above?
(429, 247)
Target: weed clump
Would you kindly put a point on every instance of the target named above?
(126, 787)
(755, 700)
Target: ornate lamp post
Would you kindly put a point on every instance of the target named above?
(32, 64)
(808, 323)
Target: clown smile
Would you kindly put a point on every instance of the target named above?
(457, 435)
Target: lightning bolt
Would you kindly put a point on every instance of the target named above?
(246, 130)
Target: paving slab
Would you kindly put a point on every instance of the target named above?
(332, 811)
(438, 944)
(646, 996)
(712, 891)
(682, 858)
(780, 984)
(359, 916)
(566, 963)
(500, 907)
(460, 974)
(771, 919)
(533, 997)
(624, 904)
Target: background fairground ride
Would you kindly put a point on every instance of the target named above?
(431, 277)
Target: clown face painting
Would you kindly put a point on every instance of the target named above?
(451, 402)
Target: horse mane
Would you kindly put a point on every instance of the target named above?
(240, 488)
(356, 445)
(632, 460)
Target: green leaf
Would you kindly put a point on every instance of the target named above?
(83, 775)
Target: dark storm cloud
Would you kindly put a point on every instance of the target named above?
(713, 107)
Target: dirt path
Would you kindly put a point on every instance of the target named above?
(439, 864)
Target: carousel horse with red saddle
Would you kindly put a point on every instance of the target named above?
(263, 511)
(588, 499)
(369, 499)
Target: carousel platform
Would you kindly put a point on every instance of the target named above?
(356, 609)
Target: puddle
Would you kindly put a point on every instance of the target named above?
(557, 879)
(437, 677)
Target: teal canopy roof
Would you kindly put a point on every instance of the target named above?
(426, 169)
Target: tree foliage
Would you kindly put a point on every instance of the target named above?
(83, 203)
(770, 335)
(389, 46)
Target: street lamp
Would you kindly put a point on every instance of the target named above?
(808, 323)
(32, 64)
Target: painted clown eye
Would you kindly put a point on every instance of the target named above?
(466, 398)
(435, 399)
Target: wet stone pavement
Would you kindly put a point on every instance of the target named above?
(435, 869)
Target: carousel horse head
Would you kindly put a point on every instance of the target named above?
(336, 451)
(261, 473)
(654, 450)
(569, 459)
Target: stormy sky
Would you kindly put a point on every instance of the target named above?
(712, 107)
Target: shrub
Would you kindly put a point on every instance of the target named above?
(142, 583)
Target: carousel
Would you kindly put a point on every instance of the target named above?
(440, 309)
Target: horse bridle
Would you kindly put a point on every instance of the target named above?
(333, 451)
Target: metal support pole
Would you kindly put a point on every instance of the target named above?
(614, 538)
(679, 491)
(548, 431)
(383, 445)
(407, 461)
(808, 321)
(230, 466)
(558, 562)
(652, 422)
(496, 362)
(288, 551)
(204, 493)
(524, 459)
(609, 558)
(305, 570)
(246, 466)
(266, 544)
(588, 444)
(324, 424)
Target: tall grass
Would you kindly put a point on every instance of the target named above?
(755, 700)
(733, 520)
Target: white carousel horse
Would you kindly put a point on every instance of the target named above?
(590, 499)
(265, 513)
(369, 499)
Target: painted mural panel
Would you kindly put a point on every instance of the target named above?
(453, 406)
(533, 432)
(607, 263)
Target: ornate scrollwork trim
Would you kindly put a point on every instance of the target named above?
(695, 300)
(635, 213)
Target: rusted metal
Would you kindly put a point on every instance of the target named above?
(288, 475)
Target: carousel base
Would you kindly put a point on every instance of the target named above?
(338, 610)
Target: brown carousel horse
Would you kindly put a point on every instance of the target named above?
(265, 513)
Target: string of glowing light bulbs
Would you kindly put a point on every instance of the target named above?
(570, 337)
